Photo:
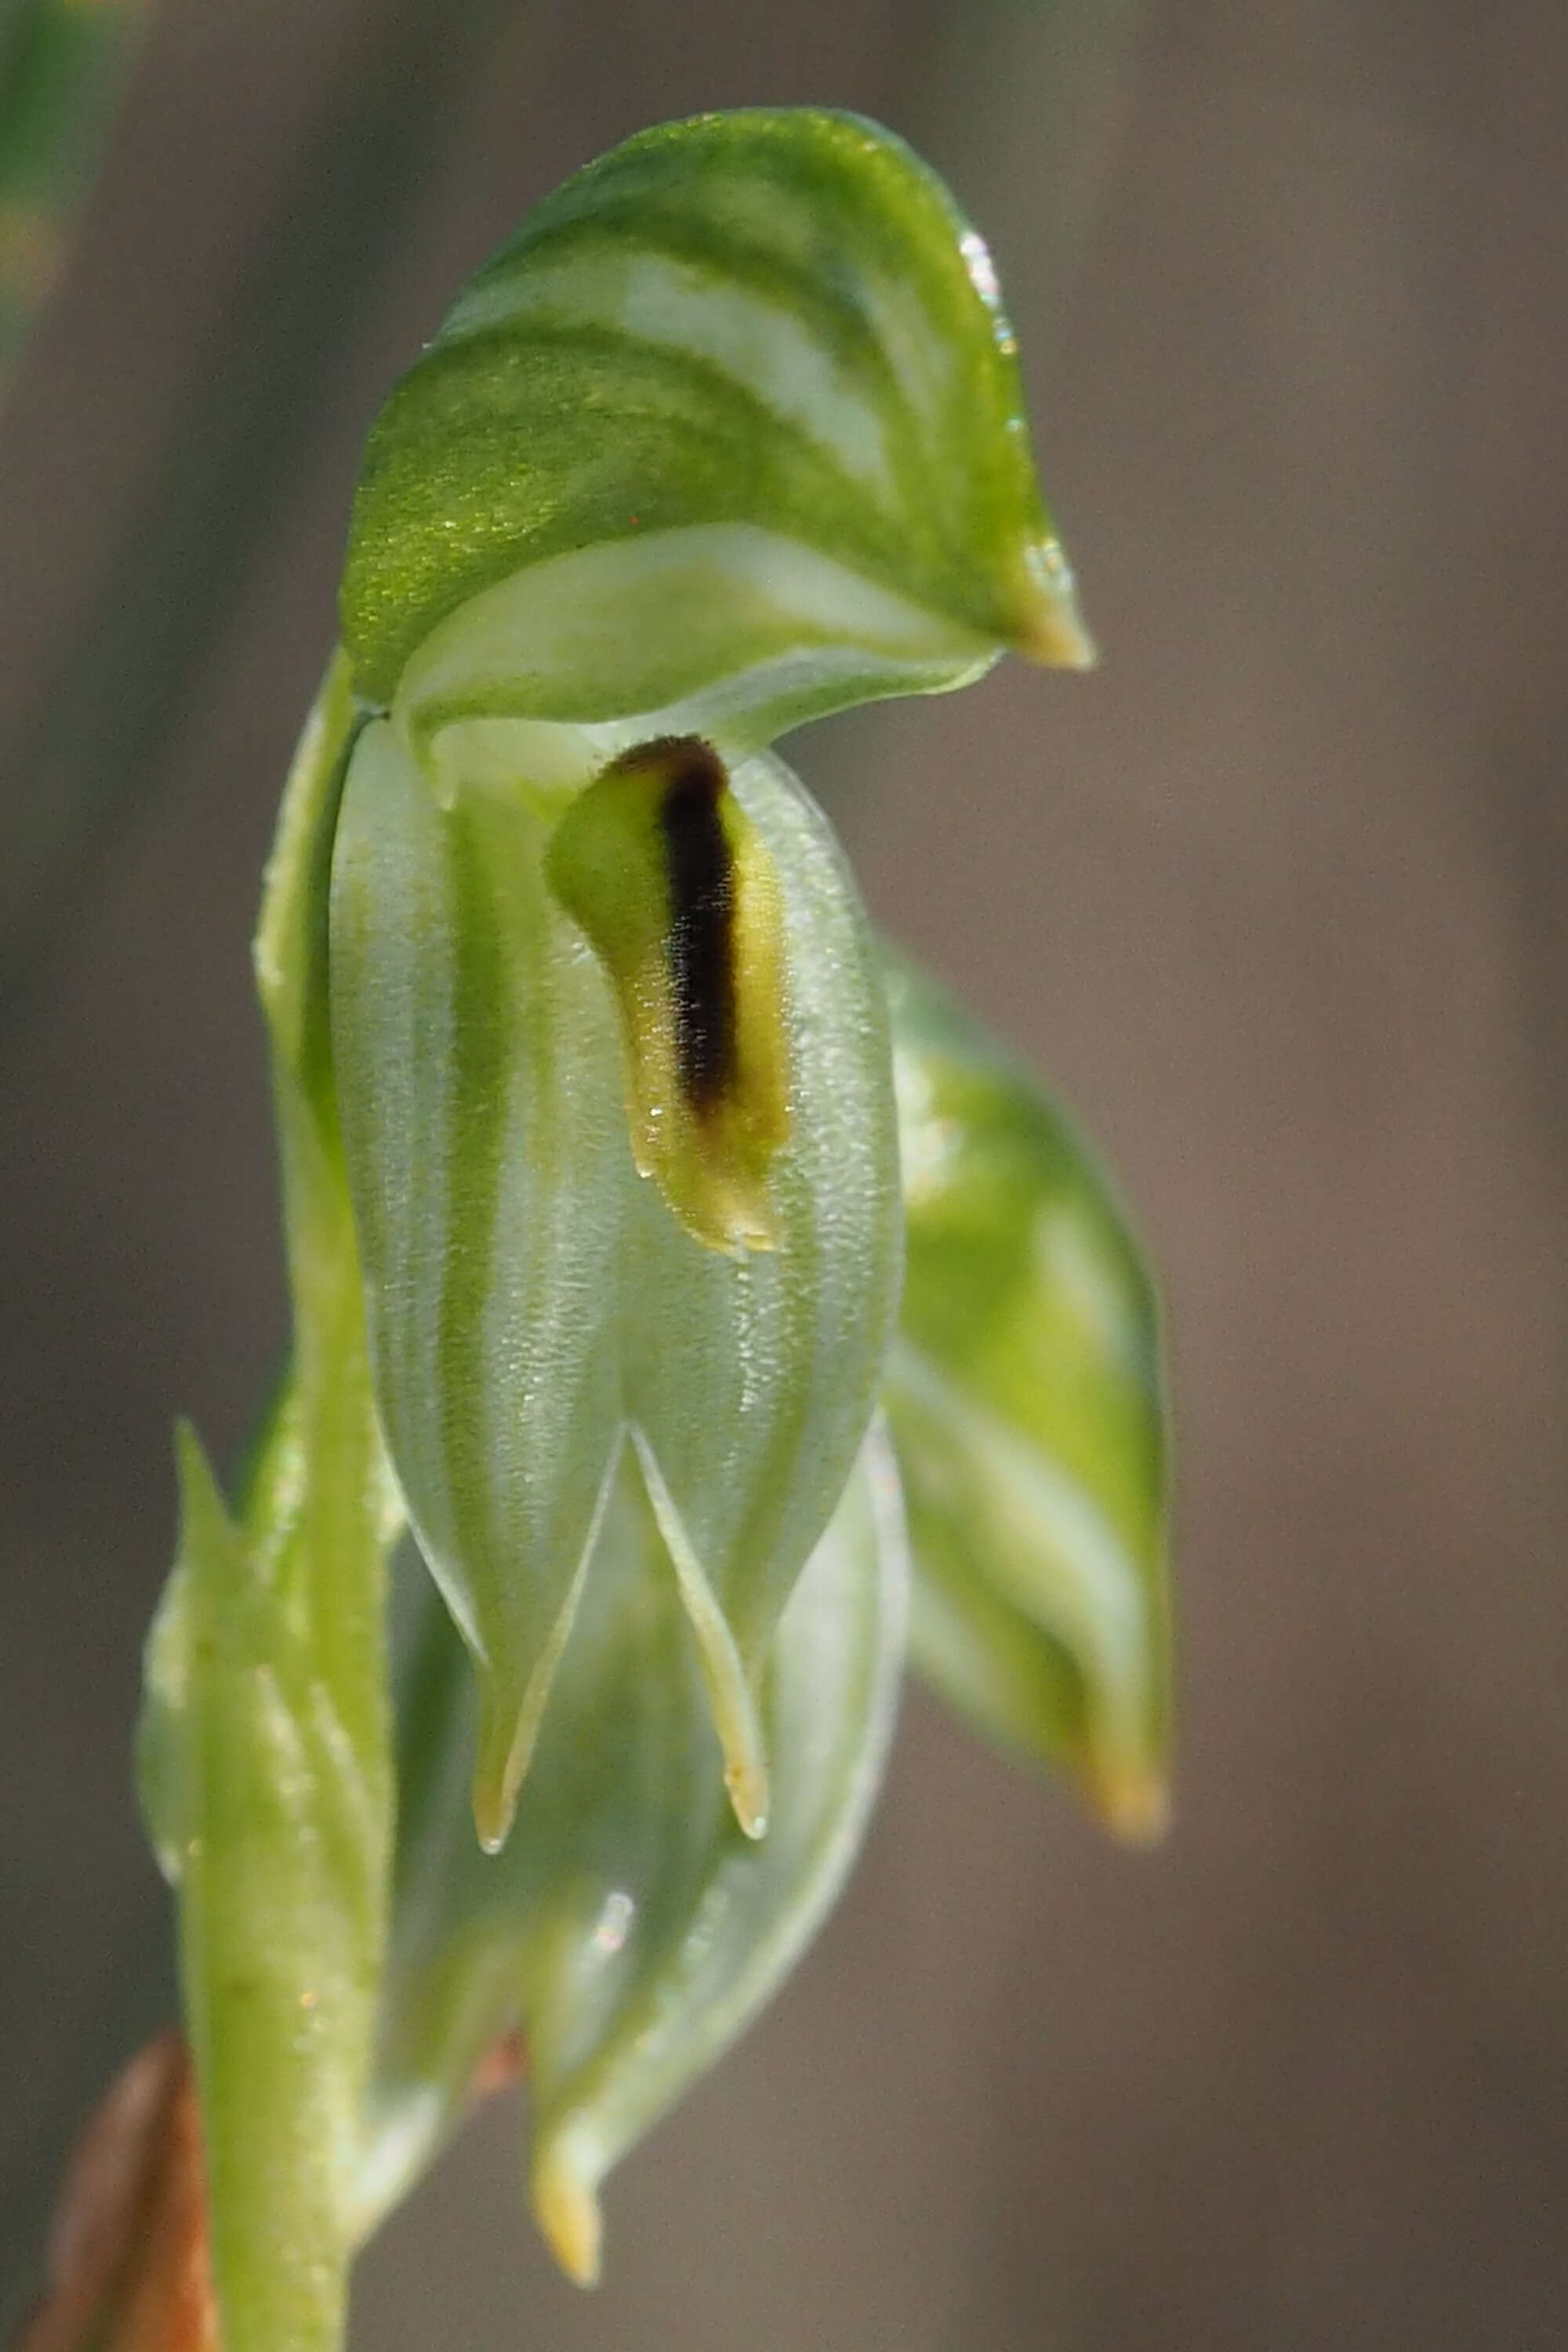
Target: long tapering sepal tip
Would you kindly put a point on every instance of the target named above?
(567, 2211)
(506, 1743)
(747, 1782)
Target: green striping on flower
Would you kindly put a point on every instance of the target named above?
(628, 1928)
(1026, 1399)
(728, 434)
(536, 1312)
(736, 416)
(668, 878)
(586, 1088)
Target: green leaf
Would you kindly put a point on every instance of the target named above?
(629, 1928)
(265, 1740)
(1026, 1399)
(535, 1309)
(728, 434)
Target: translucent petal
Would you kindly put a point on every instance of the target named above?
(629, 1928)
(534, 1306)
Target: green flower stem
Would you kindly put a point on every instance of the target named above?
(266, 1743)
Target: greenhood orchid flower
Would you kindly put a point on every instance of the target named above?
(728, 430)
(591, 1086)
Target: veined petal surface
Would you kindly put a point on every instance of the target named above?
(535, 1309)
(735, 414)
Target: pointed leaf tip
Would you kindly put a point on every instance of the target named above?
(499, 1769)
(748, 1785)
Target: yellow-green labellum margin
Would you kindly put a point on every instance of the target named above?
(670, 879)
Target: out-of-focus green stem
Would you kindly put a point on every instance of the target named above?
(62, 66)
(91, 741)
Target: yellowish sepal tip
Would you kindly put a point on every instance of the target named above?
(1049, 628)
(567, 2211)
(746, 1778)
(492, 1817)
(1134, 1803)
(730, 1694)
(508, 1735)
(503, 1755)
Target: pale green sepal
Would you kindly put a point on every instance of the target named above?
(742, 395)
(1027, 1399)
(480, 1090)
(629, 1928)
(321, 1503)
(533, 1300)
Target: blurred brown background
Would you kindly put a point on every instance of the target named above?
(1277, 897)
